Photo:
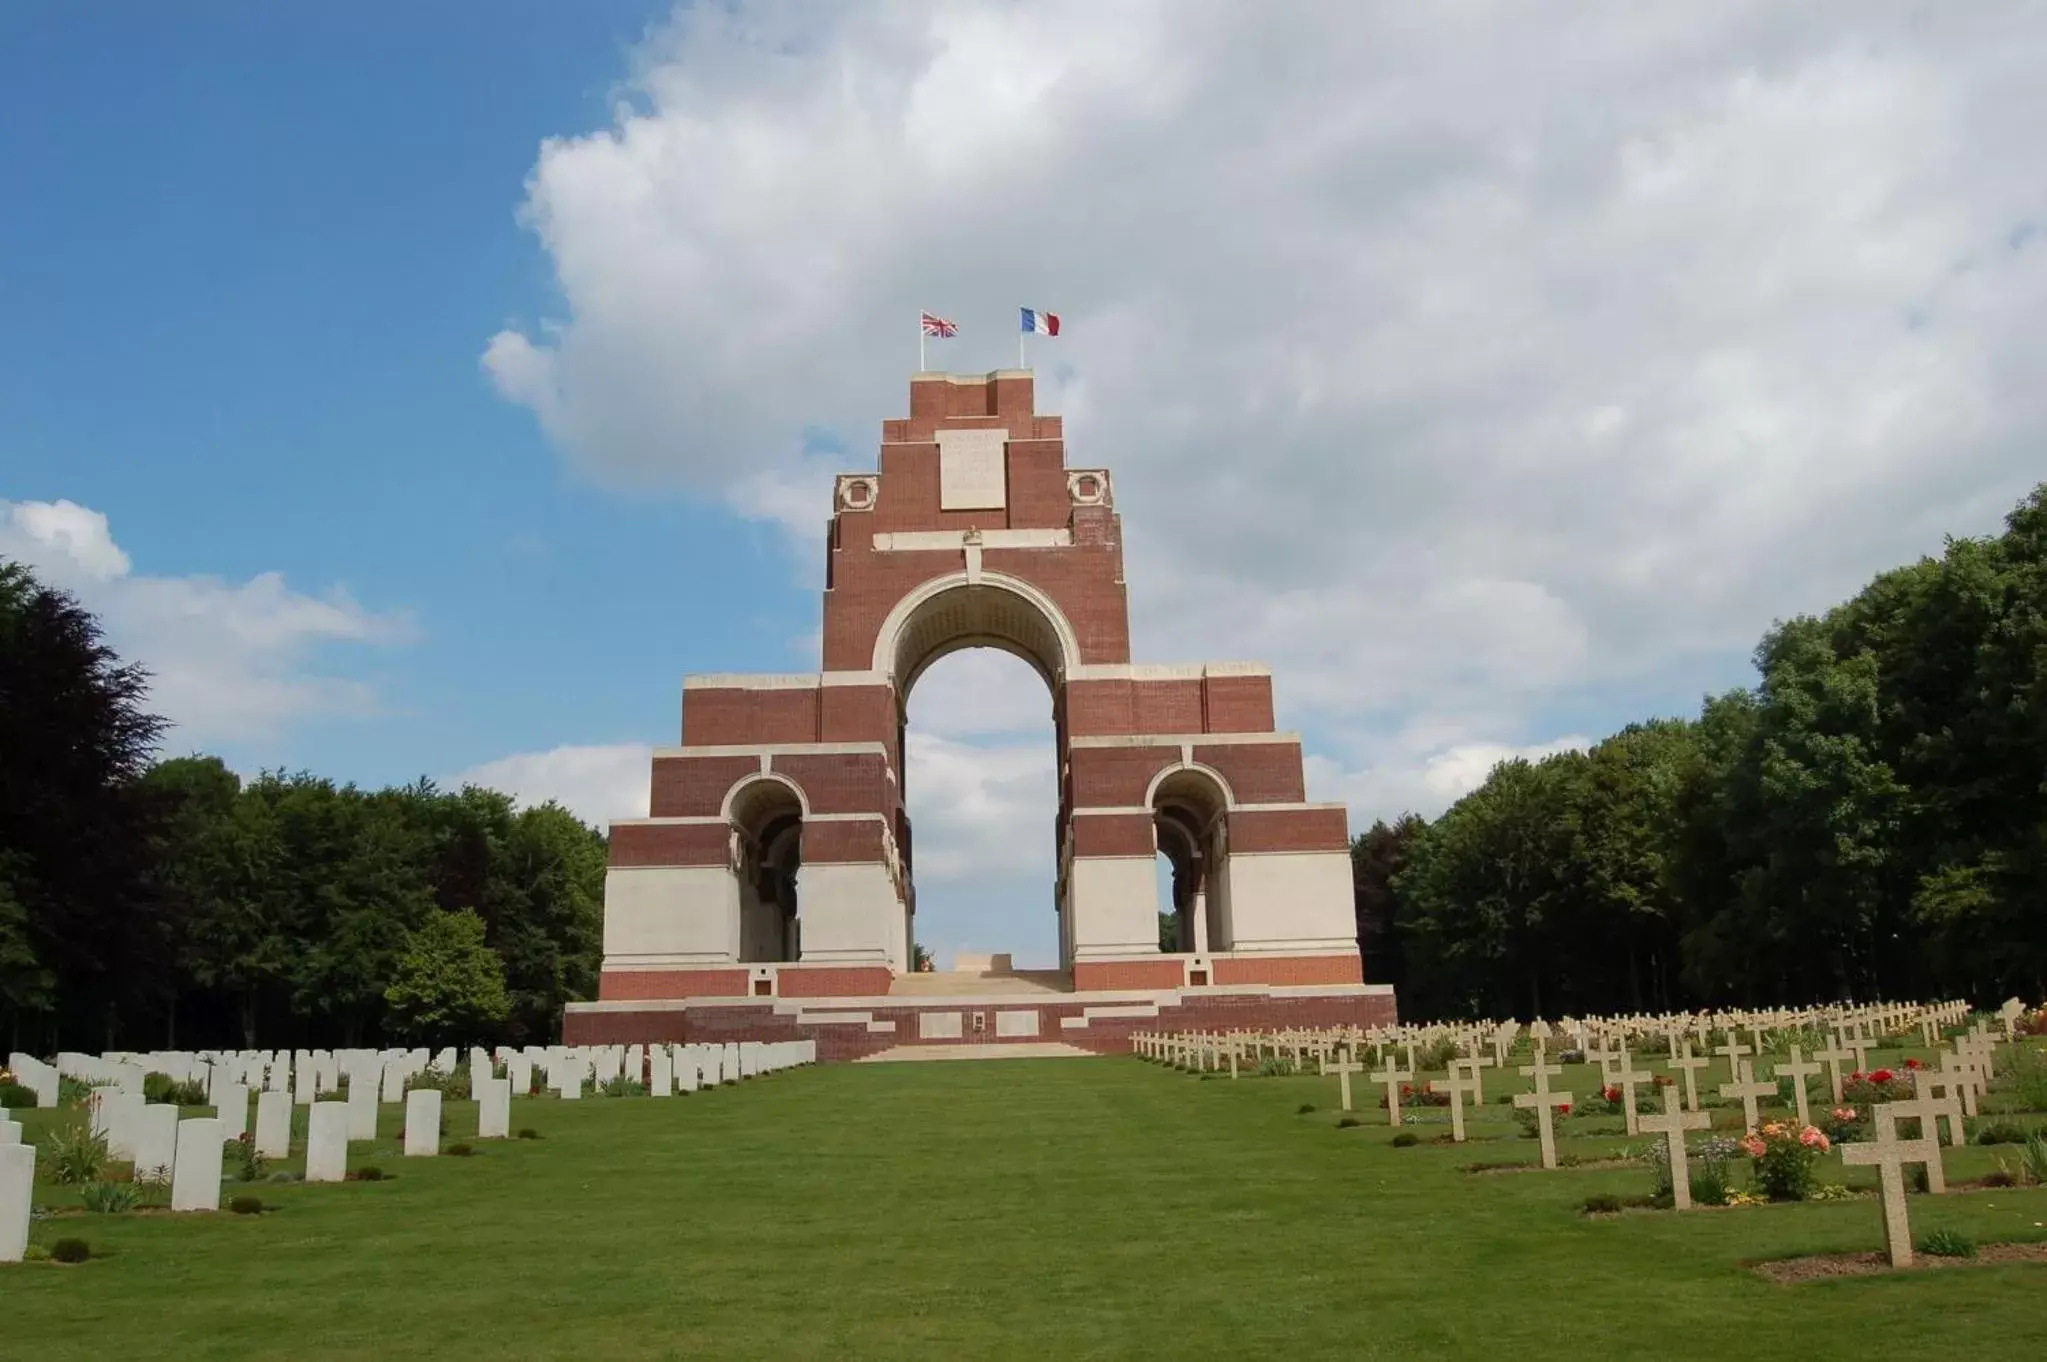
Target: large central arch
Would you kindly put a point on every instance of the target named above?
(973, 532)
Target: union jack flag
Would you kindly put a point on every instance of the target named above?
(938, 326)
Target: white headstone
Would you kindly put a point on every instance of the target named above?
(195, 1182)
(232, 1106)
(494, 1109)
(362, 1106)
(660, 1072)
(10, 1131)
(327, 1142)
(17, 1190)
(519, 1073)
(273, 1124)
(422, 1123)
(156, 1140)
(394, 1080)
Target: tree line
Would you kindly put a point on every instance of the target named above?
(150, 903)
(1869, 820)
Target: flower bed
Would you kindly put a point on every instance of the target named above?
(1783, 1155)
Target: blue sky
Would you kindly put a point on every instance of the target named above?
(426, 389)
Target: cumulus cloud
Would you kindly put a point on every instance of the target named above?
(596, 783)
(1450, 358)
(227, 660)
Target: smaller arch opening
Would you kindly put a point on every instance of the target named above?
(766, 816)
(1190, 821)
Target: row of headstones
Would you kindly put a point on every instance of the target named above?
(188, 1152)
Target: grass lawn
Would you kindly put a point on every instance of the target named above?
(1043, 1209)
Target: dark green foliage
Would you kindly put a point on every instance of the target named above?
(1406, 1139)
(1865, 822)
(177, 905)
(109, 1198)
(621, 1086)
(369, 1172)
(73, 1155)
(528, 1133)
(2001, 1132)
(245, 1205)
(449, 984)
(1348, 1123)
(163, 1088)
(15, 1096)
(1946, 1243)
(70, 1251)
(1602, 1203)
(461, 1151)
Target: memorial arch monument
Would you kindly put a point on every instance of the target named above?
(771, 893)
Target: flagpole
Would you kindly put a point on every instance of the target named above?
(920, 342)
(1020, 363)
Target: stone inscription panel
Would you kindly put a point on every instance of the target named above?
(971, 476)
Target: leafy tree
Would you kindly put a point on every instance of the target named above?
(450, 986)
(1377, 855)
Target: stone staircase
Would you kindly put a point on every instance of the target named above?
(982, 984)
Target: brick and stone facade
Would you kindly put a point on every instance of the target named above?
(973, 532)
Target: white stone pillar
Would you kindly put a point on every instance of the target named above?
(195, 1182)
(273, 1124)
(156, 1140)
(17, 1190)
(327, 1142)
(494, 1109)
(422, 1123)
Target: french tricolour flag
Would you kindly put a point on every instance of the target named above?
(1040, 323)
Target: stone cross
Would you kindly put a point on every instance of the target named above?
(1832, 1057)
(1797, 1071)
(1544, 1102)
(2009, 1014)
(1672, 1125)
(1859, 1047)
(1942, 1092)
(1889, 1155)
(1626, 1079)
(1457, 1088)
(1732, 1053)
(1342, 1068)
(1748, 1088)
(1475, 1066)
(1965, 1077)
(1689, 1064)
(1391, 1078)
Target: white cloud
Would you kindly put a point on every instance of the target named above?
(1450, 358)
(596, 783)
(227, 660)
(1409, 777)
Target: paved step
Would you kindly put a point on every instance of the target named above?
(975, 984)
(1014, 1050)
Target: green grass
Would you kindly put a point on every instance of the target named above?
(1023, 1209)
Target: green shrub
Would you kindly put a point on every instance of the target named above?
(2033, 1162)
(1406, 1139)
(74, 1092)
(369, 1172)
(1709, 1183)
(452, 1083)
(164, 1089)
(73, 1154)
(109, 1198)
(2000, 1132)
(621, 1087)
(1946, 1243)
(2028, 1077)
(1437, 1056)
(1602, 1203)
(70, 1251)
(528, 1133)
(1348, 1123)
(1530, 1124)
(248, 1163)
(459, 1151)
(245, 1205)
(1304, 1108)
(2001, 1176)
(14, 1096)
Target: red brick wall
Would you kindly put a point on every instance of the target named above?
(643, 844)
(1101, 975)
(1166, 706)
(631, 985)
(1113, 777)
(858, 714)
(717, 716)
(695, 787)
(856, 840)
(835, 981)
(1113, 834)
(1258, 773)
(838, 782)
(1237, 704)
(1290, 830)
(1290, 970)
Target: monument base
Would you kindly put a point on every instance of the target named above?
(1101, 1020)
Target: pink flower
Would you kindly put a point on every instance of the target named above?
(1844, 1113)
(1812, 1137)
(1754, 1145)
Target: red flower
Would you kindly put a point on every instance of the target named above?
(1913, 1064)
(1564, 1110)
(1882, 1076)
(1856, 1077)
(1611, 1094)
